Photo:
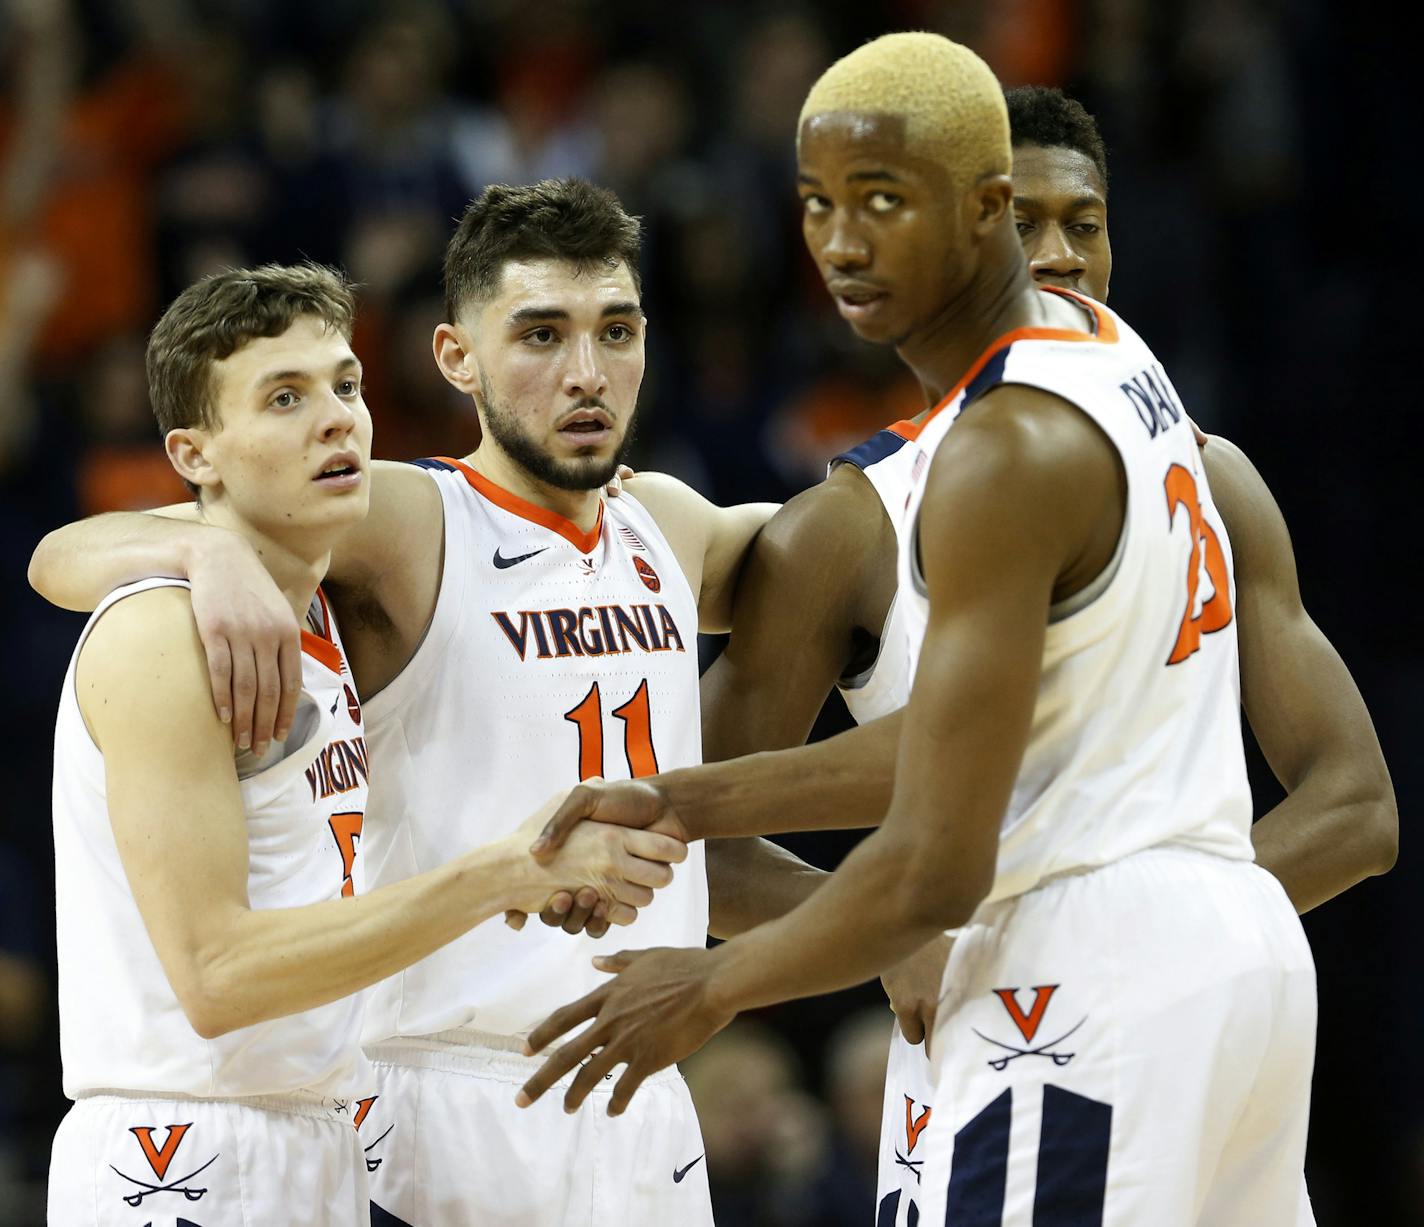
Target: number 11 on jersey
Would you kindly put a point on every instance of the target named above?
(637, 719)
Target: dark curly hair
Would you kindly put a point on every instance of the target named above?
(1042, 115)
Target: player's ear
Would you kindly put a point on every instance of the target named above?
(454, 357)
(988, 202)
(186, 448)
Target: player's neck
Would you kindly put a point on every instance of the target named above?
(296, 566)
(999, 300)
(580, 507)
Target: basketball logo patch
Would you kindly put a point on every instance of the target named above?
(353, 708)
(647, 575)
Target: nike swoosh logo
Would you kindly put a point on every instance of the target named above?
(501, 562)
(680, 1172)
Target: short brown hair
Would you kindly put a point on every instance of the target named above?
(562, 219)
(215, 317)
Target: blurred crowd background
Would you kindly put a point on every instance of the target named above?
(1260, 155)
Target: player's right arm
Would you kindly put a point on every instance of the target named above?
(178, 822)
(388, 566)
(819, 576)
(1339, 823)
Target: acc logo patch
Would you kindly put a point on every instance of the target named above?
(647, 575)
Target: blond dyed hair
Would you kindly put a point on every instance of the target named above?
(952, 104)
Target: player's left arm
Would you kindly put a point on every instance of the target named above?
(1339, 823)
(1014, 493)
(710, 542)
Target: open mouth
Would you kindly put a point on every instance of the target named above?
(341, 472)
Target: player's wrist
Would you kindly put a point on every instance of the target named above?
(209, 547)
(727, 987)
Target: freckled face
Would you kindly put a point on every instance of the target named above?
(883, 224)
(1061, 211)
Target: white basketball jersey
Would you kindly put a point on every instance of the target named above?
(553, 655)
(1136, 734)
(121, 1027)
(885, 459)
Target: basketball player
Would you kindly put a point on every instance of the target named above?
(514, 632)
(820, 585)
(213, 931)
(1070, 782)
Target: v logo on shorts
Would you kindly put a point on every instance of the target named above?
(160, 1159)
(1027, 1023)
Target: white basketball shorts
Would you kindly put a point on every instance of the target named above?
(279, 1161)
(1126, 1046)
(446, 1147)
(904, 1125)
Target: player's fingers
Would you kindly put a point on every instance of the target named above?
(581, 910)
(577, 919)
(594, 1070)
(575, 808)
(616, 913)
(563, 1019)
(220, 676)
(515, 919)
(598, 923)
(244, 696)
(560, 1061)
(654, 847)
(269, 696)
(626, 1087)
(652, 874)
(289, 669)
(632, 893)
(911, 1026)
(621, 961)
(556, 909)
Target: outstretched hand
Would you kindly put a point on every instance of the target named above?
(654, 1013)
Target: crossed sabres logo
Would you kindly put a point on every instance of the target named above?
(1028, 1027)
(914, 1126)
(160, 1159)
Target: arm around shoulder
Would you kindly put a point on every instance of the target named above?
(710, 542)
(77, 565)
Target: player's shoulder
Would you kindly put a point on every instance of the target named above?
(144, 651)
(841, 514)
(1234, 479)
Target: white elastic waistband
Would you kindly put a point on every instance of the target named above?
(294, 1103)
(481, 1054)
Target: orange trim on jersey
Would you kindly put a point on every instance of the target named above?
(909, 429)
(321, 650)
(584, 542)
(322, 647)
(1106, 334)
